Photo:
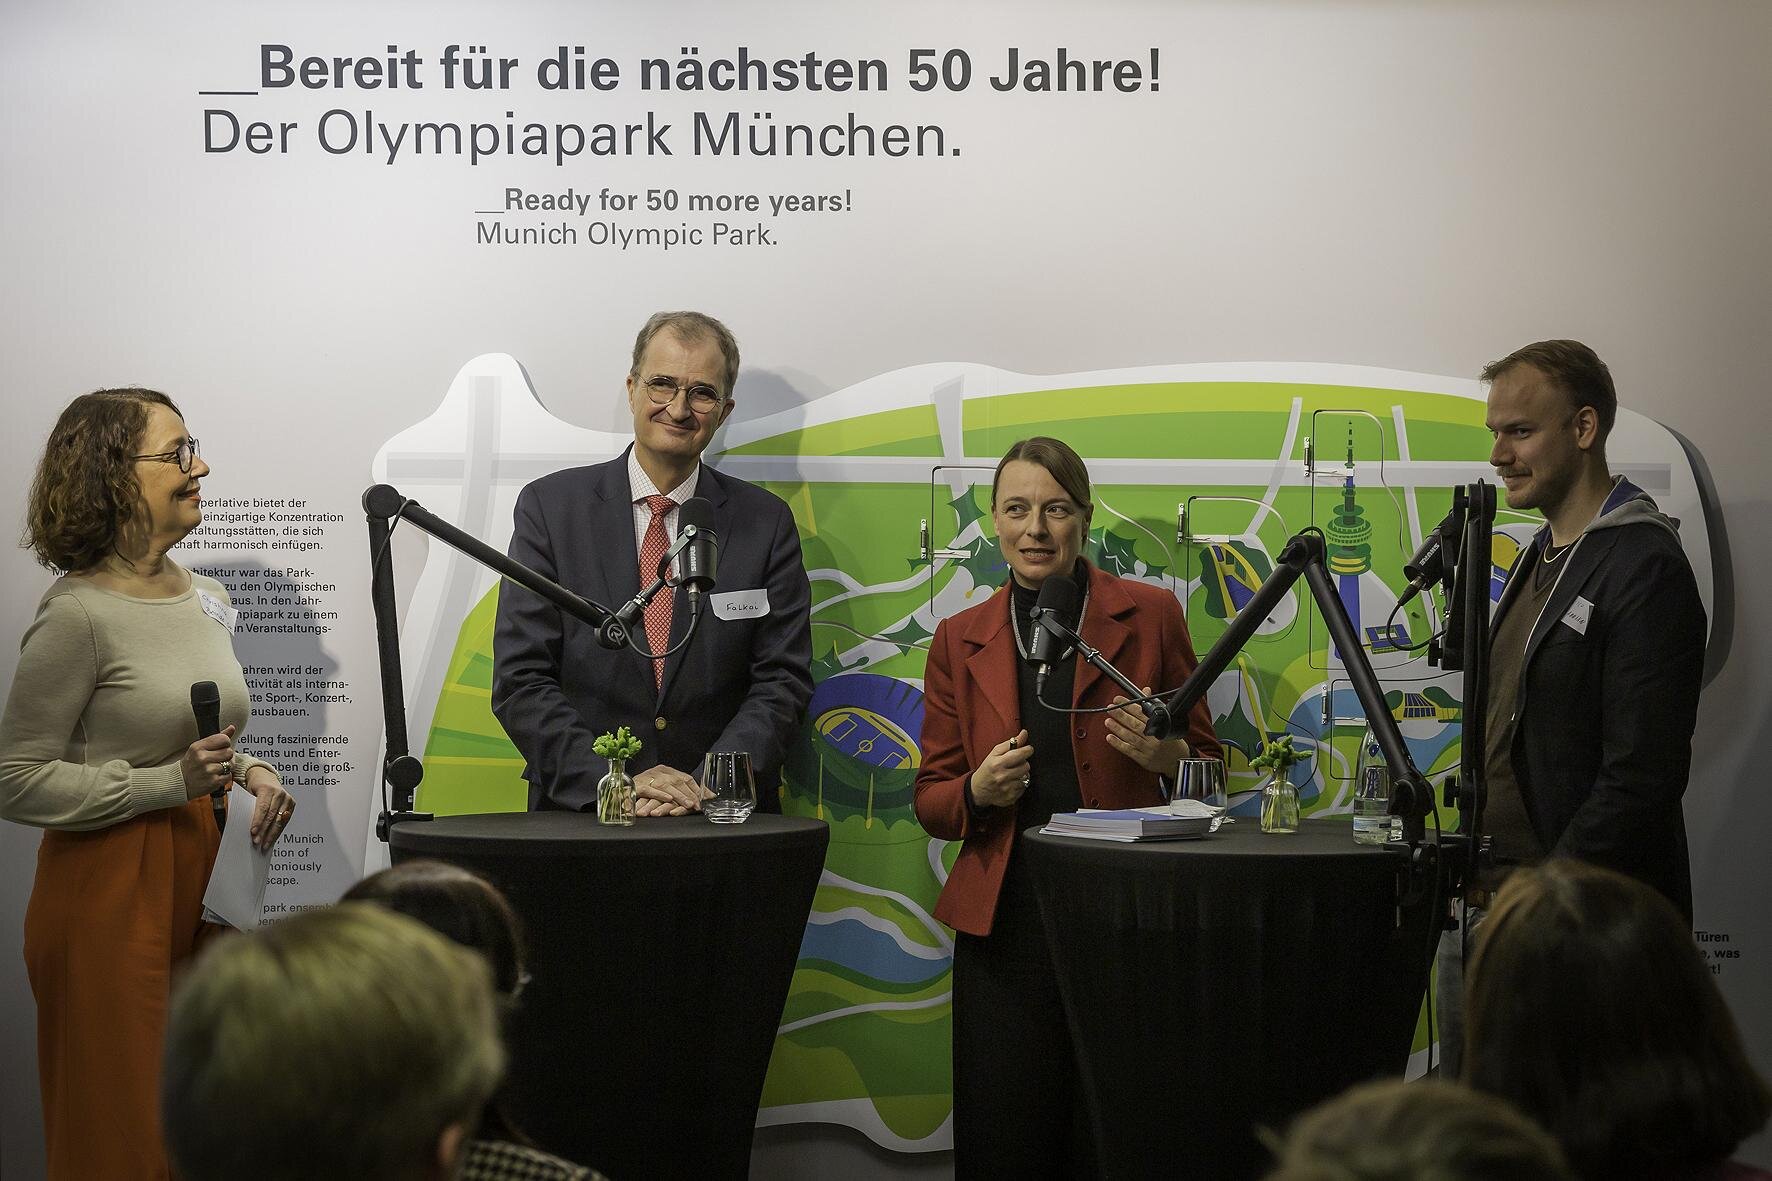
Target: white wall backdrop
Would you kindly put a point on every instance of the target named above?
(1415, 187)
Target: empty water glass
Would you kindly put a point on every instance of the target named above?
(1199, 779)
(732, 791)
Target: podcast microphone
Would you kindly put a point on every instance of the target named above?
(700, 557)
(206, 707)
(1428, 566)
(1060, 597)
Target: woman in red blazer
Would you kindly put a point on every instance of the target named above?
(996, 762)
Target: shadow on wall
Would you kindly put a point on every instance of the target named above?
(1722, 624)
(762, 392)
(280, 642)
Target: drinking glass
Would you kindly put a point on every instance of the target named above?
(1199, 779)
(732, 790)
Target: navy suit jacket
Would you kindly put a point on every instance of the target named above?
(741, 684)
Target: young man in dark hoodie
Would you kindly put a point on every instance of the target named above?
(1596, 652)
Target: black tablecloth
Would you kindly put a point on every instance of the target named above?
(661, 956)
(1220, 985)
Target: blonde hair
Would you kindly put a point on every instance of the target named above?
(1422, 1131)
(361, 1034)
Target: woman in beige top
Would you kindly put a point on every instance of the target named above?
(99, 747)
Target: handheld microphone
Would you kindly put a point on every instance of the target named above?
(1060, 597)
(700, 558)
(206, 707)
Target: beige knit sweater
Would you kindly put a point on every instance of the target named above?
(100, 710)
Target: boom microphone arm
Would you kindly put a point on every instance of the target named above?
(1303, 557)
(383, 505)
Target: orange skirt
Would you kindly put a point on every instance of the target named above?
(113, 912)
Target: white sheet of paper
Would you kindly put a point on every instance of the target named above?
(236, 893)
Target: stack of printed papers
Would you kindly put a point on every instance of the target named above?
(1192, 819)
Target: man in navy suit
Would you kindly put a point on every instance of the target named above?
(742, 683)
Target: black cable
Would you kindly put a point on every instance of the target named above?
(1389, 630)
(921, 645)
(381, 551)
(669, 652)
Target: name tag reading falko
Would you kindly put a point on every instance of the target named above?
(740, 604)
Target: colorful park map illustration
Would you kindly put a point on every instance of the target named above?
(1200, 474)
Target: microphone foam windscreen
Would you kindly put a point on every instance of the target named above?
(696, 511)
(1060, 594)
(204, 693)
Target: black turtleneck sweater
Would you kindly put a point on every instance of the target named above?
(1053, 786)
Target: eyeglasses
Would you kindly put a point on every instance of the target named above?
(703, 398)
(185, 454)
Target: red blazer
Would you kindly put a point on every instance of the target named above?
(971, 703)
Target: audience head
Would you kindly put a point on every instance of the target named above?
(346, 1042)
(457, 903)
(1590, 1009)
(1422, 1131)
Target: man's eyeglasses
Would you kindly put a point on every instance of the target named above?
(185, 454)
(703, 398)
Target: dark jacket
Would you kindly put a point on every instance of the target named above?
(1610, 698)
(741, 684)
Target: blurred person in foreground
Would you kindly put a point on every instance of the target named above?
(99, 748)
(470, 911)
(344, 1042)
(996, 760)
(1590, 1008)
(1421, 1131)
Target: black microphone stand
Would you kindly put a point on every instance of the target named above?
(383, 505)
(1303, 557)
(1466, 647)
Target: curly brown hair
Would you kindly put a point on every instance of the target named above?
(85, 488)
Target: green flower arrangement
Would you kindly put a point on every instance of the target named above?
(621, 745)
(1276, 755)
(615, 793)
(1279, 799)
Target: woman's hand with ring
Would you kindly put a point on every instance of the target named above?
(208, 764)
(1003, 776)
(271, 809)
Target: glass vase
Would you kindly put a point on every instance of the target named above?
(1279, 805)
(615, 795)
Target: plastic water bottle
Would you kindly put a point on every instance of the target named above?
(1372, 794)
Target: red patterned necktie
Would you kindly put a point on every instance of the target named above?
(658, 611)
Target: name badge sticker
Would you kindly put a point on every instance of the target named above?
(1578, 615)
(740, 604)
(218, 610)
